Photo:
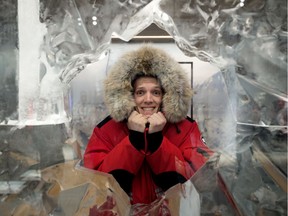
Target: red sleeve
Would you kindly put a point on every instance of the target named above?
(168, 158)
(183, 153)
(103, 155)
(194, 148)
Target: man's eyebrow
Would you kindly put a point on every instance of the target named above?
(143, 87)
(158, 87)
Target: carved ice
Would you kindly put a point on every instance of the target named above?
(242, 105)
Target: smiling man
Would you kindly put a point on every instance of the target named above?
(147, 142)
(148, 96)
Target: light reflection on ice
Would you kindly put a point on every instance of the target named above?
(11, 187)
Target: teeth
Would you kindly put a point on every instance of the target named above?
(148, 109)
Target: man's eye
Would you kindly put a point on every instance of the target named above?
(139, 93)
(157, 93)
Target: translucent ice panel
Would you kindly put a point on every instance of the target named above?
(72, 34)
(241, 109)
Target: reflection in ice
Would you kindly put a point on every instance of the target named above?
(241, 110)
(11, 187)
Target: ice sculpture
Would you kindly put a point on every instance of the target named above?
(79, 32)
(242, 109)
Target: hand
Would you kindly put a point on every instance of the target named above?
(137, 122)
(157, 122)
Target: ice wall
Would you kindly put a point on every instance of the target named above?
(249, 37)
(242, 110)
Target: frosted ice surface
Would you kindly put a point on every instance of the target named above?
(247, 40)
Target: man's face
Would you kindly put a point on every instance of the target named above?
(148, 95)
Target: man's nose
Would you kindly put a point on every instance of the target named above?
(148, 97)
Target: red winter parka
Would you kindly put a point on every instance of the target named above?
(145, 165)
(181, 152)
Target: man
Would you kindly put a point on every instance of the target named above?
(147, 143)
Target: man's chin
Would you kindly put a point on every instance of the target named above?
(147, 114)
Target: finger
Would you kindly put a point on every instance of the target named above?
(139, 118)
(161, 115)
(133, 114)
(157, 117)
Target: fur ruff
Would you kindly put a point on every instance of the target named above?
(152, 61)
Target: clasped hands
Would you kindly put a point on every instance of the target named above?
(137, 122)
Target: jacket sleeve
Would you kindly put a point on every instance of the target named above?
(168, 158)
(194, 148)
(184, 157)
(103, 155)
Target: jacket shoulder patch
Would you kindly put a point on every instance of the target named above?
(104, 121)
(190, 119)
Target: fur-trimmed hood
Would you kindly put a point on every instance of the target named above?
(152, 61)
